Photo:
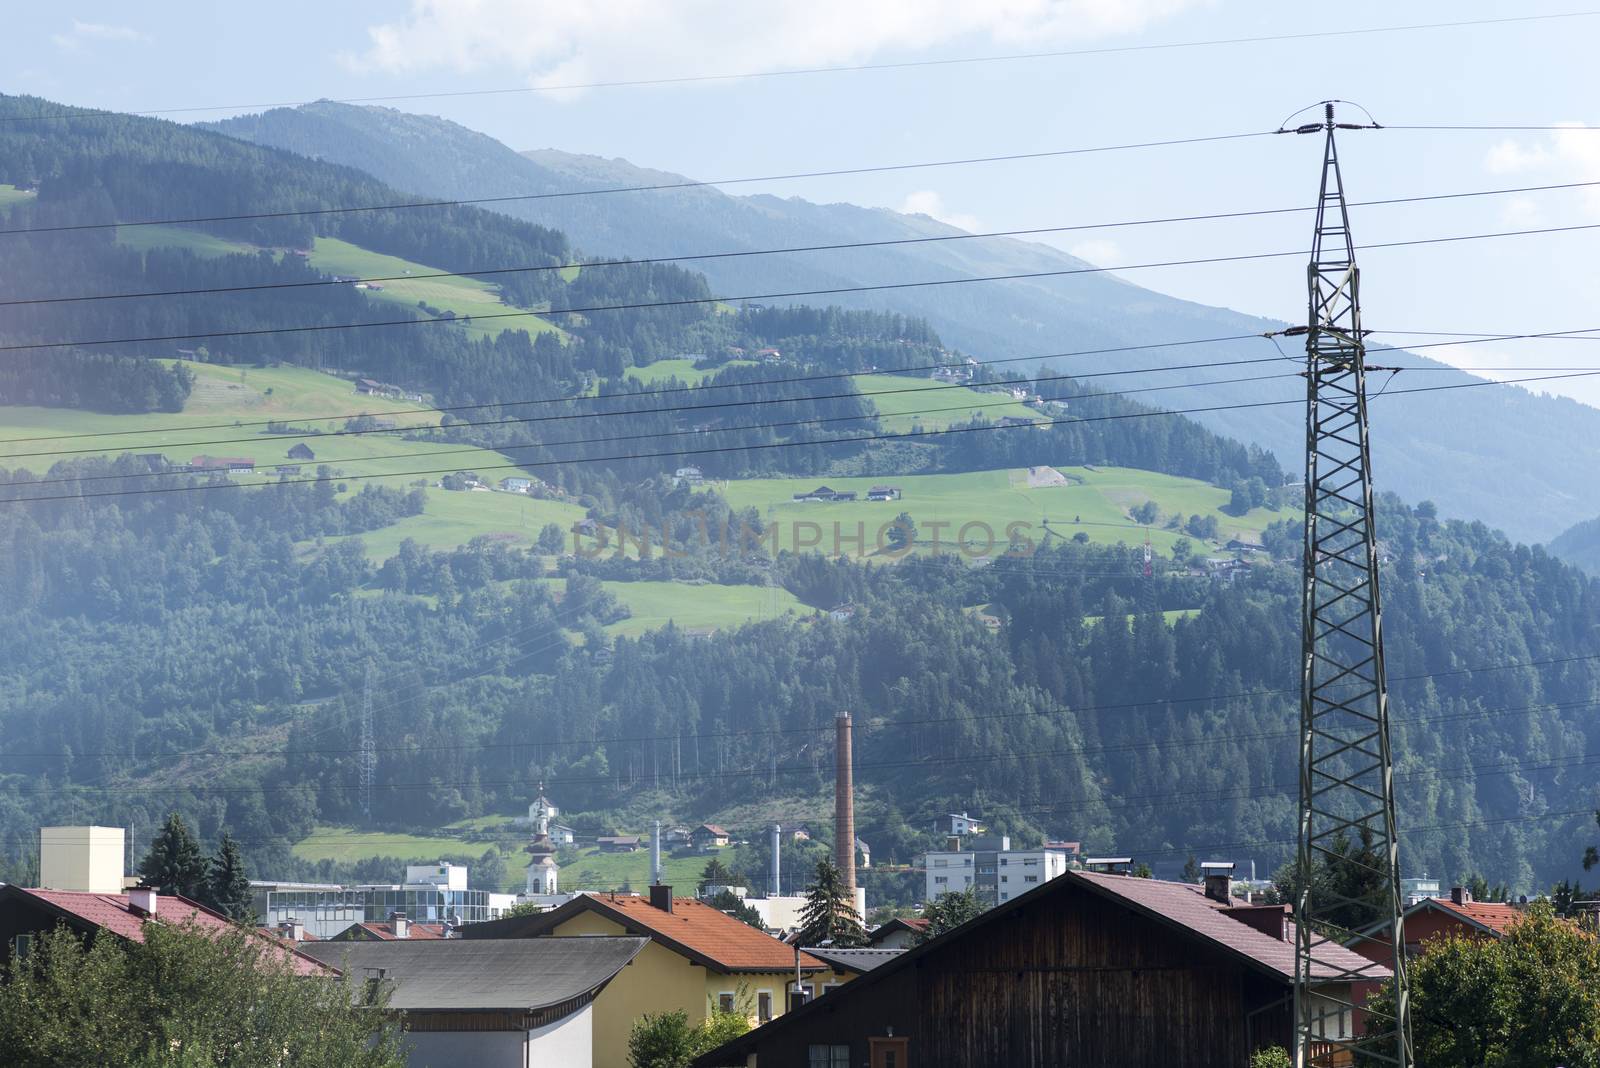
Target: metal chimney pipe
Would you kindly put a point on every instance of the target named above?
(844, 807)
(655, 856)
(774, 887)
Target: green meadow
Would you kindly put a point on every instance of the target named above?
(685, 371)
(1092, 502)
(10, 194)
(696, 607)
(898, 398)
(463, 296)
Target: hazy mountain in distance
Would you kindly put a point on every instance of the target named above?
(1512, 459)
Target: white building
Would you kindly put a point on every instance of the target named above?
(782, 913)
(431, 893)
(998, 872)
(542, 874)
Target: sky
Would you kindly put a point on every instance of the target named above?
(233, 58)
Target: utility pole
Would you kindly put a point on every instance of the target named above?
(368, 758)
(1347, 805)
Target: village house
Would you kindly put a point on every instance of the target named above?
(301, 451)
(396, 928)
(491, 1004)
(697, 958)
(883, 493)
(708, 836)
(691, 476)
(81, 886)
(1435, 917)
(516, 485)
(619, 843)
(1085, 969)
(898, 933)
(231, 464)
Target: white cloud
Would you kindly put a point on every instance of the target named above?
(929, 203)
(83, 32)
(557, 42)
(1568, 155)
(1098, 251)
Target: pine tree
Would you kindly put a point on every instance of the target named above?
(227, 887)
(829, 916)
(175, 864)
(716, 873)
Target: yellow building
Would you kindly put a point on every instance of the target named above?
(698, 959)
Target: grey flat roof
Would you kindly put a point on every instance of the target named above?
(855, 960)
(514, 974)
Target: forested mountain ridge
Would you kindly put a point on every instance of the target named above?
(1425, 446)
(206, 651)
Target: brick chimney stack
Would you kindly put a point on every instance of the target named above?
(844, 806)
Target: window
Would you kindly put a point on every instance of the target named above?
(763, 1006)
(1004, 862)
(1030, 878)
(1005, 878)
(940, 880)
(724, 1002)
(828, 1057)
(21, 946)
(798, 996)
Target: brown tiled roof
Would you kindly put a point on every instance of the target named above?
(705, 935)
(1489, 915)
(111, 912)
(1185, 906)
(384, 931)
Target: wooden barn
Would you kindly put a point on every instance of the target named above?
(1088, 969)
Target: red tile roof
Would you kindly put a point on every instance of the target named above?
(111, 912)
(384, 932)
(696, 930)
(1496, 917)
(1186, 906)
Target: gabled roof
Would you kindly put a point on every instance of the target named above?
(705, 935)
(1185, 907)
(915, 926)
(113, 913)
(853, 960)
(384, 932)
(457, 975)
(1179, 906)
(1489, 917)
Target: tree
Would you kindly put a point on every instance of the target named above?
(901, 533)
(1527, 998)
(1591, 856)
(227, 886)
(716, 873)
(949, 911)
(1145, 513)
(522, 908)
(829, 915)
(734, 905)
(175, 864)
(1191, 870)
(668, 1040)
(661, 1040)
(1142, 870)
(551, 539)
(183, 997)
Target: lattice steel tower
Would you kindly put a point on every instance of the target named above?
(367, 758)
(1347, 835)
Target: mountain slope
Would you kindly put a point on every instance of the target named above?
(1431, 445)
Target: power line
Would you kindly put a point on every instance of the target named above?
(762, 772)
(834, 291)
(833, 69)
(466, 201)
(829, 376)
(566, 194)
(1577, 334)
(762, 446)
(674, 410)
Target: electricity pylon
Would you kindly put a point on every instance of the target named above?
(368, 757)
(1349, 906)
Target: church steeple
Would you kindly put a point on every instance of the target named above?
(541, 868)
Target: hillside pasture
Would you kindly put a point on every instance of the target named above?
(1093, 502)
(898, 399)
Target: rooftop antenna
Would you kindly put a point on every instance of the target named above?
(1347, 807)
